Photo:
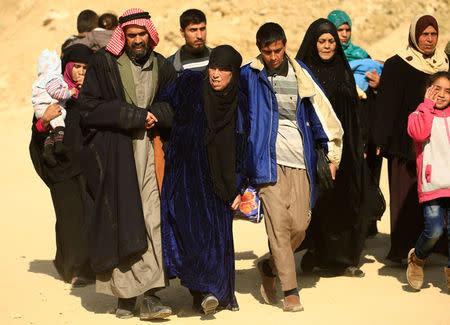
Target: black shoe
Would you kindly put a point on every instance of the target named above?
(60, 148)
(152, 308)
(209, 304)
(125, 307)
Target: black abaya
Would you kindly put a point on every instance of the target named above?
(338, 230)
(67, 187)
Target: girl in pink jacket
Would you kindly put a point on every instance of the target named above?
(429, 127)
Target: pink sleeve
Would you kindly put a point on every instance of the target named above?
(39, 126)
(56, 90)
(420, 121)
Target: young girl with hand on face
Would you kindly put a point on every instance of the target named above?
(429, 127)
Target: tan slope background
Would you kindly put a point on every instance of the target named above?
(30, 290)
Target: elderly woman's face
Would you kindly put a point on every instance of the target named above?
(326, 46)
(78, 72)
(428, 40)
(219, 78)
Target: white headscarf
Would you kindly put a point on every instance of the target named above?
(415, 57)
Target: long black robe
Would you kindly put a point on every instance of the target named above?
(374, 161)
(401, 90)
(116, 228)
(367, 108)
(68, 190)
(338, 229)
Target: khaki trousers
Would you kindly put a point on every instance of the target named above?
(287, 216)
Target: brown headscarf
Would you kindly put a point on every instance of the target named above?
(414, 56)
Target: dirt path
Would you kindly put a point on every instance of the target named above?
(30, 289)
(32, 293)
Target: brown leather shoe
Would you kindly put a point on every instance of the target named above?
(152, 308)
(414, 272)
(268, 286)
(447, 277)
(292, 303)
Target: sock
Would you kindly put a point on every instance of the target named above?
(59, 134)
(126, 303)
(49, 142)
(48, 155)
(291, 292)
(60, 148)
(267, 269)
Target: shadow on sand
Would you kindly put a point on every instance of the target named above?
(248, 280)
(90, 300)
(44, 267)
(378, 247)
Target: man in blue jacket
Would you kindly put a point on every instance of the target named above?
(289, 114)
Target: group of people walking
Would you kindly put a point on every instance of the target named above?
(151, 156)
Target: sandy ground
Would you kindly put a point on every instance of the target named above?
(30, 289)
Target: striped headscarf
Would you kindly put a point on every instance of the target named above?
(134, 16)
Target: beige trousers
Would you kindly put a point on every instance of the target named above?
(287, 216)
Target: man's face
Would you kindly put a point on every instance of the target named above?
(219, 78)
(273, 53)
(344, 33)
(137, 41)
(195, 36)
(428, 40)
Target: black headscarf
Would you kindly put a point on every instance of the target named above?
(75, 53)
(331, 73)
(336, 77)
(220, 108)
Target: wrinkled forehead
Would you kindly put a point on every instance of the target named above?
(220, 67)
(134, 29)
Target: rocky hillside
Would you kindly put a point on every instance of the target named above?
(29, 26)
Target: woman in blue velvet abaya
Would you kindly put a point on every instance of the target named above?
(203, 179)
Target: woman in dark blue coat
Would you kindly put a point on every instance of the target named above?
(203, 179)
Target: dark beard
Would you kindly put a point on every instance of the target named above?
(138, 58)
(195, 50)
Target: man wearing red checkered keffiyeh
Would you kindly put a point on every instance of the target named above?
(132, 17)
(123, 159)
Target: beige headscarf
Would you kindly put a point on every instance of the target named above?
(415, 57)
